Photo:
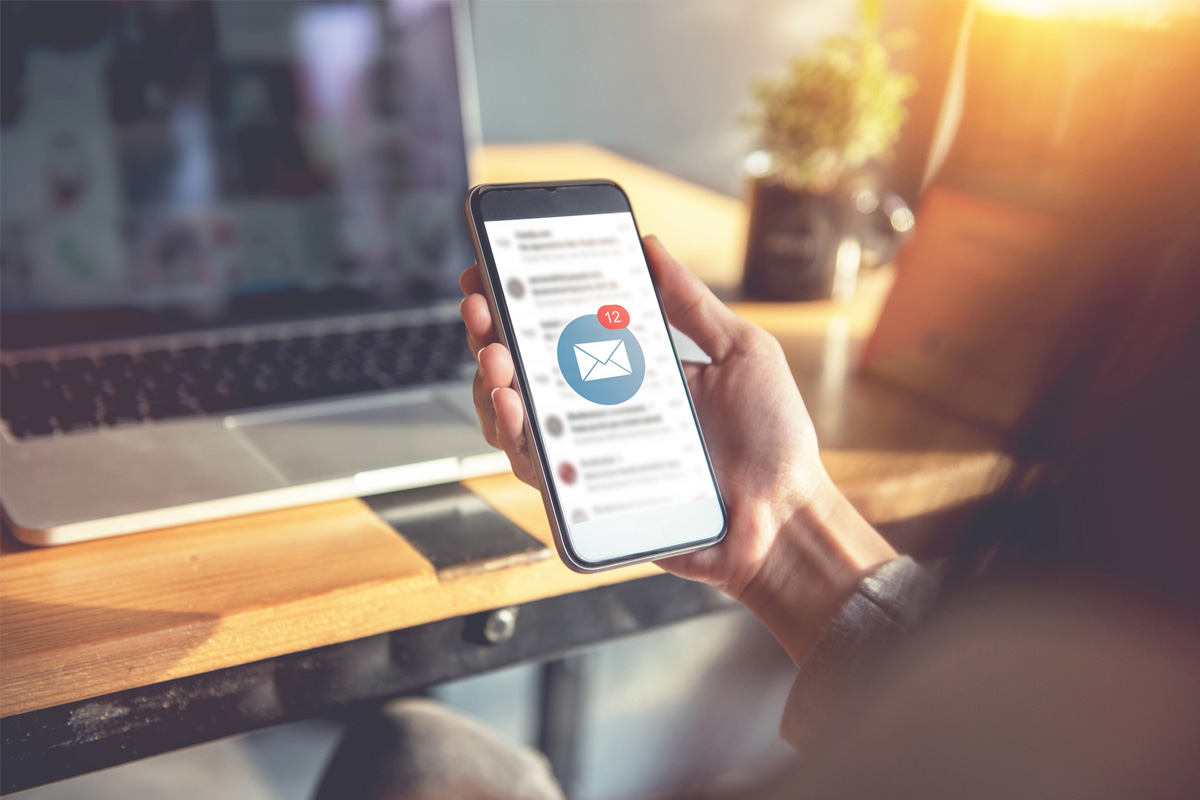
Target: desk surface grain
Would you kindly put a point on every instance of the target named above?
(104, 616)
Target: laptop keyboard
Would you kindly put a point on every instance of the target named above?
(41, 397)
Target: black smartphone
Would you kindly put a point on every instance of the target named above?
(624, 471)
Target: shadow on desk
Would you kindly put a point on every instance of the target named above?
(83, 625)
(34, 624)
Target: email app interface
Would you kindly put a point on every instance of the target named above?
(613, 411)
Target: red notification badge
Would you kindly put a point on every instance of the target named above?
(613, 317)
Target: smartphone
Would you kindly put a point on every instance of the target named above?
(624, 471)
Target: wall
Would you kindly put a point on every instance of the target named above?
(667, 83)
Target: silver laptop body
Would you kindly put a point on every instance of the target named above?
(232, 286)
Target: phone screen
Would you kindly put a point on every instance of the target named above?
(620, 441)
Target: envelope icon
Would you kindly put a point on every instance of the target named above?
(599, 360)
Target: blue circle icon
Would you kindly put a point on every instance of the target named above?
(602, 365)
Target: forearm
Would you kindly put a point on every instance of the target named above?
(820, 555)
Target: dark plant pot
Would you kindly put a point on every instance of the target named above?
(791, 247)
(796, 238)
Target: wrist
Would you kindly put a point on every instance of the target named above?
(819, 554)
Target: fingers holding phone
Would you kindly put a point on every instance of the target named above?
(510, 431)
(578, 380)
(500, 411)
(501, 416)
(478, 318)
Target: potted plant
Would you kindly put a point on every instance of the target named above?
(812, 192)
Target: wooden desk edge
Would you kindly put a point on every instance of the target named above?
(361, 610)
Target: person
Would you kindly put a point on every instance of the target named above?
(796, 549)
(1054, 654)
(1062, 675)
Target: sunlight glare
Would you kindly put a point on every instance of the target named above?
(1146, 12)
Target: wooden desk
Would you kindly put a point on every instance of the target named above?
(107, 616)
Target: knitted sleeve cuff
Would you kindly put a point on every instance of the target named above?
(886, 605)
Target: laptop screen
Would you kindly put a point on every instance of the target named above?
(175, 165)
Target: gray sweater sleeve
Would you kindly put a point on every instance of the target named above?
(887, 604)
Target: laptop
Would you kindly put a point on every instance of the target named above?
(230, 236)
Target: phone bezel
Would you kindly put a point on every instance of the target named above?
(499, 308)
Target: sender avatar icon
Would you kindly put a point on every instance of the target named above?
(603, 365)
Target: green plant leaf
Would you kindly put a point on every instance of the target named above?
(842, 107)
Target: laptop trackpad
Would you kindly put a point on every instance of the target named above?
(357, 437)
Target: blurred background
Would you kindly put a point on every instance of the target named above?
(665, 83)
(1047, 106)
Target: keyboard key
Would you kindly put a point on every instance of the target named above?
(37, 388)
(11, 402)
(24, 427)
(36, 375)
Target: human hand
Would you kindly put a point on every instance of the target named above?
(759, 434)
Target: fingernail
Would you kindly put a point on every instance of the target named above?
(480, 354)
(494, 396)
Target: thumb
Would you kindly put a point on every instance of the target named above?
(690, 305)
